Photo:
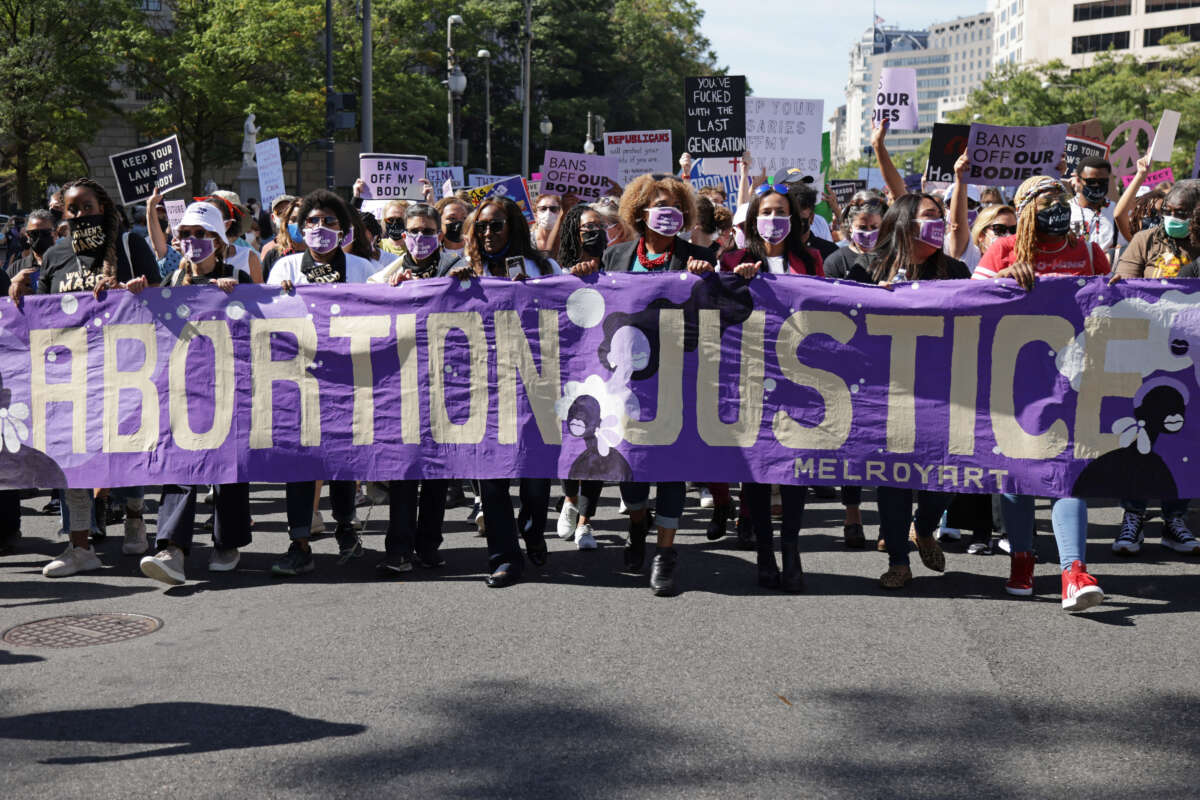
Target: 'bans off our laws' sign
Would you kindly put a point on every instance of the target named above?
(1077, 387)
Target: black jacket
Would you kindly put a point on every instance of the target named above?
(620, 257)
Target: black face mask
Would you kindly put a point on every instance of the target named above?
(1055, 220)
(1152, 221)
(40, 241)
(454, 232)
(395, 229)
(87, 233)
(1095, 193)
(594, 243)
(56, 214)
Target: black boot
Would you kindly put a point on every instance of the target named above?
(662, 571)
(635, 547)
(768, 572)
(745, 533)
(792, 579)
(718, 526)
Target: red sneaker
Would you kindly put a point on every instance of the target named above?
(1020, 577)
(1080, 590)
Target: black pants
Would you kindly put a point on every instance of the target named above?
(971, 512)
(231, 515)
(535, 504)
(851, 496)
(299, 498)
(10, 512)
(502, 544)
(757, 498)
(587, 494)
(415, 523)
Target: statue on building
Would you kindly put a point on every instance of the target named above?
(249, 138)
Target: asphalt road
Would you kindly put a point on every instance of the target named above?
(579, 683)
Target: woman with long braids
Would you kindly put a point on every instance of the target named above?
(909, 248)
(1044, 245)
(93, 258)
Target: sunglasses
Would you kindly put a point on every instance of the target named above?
(771, 187)
(554, 209)
(493, 225)
(1001, 229)
(328, 222)
(423, 231)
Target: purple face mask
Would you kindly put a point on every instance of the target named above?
(420, 245)
(932, 232)
(773, 230)
(739, 238)
(321, 239)
(196, 249)
(865, 239)
(664, 220)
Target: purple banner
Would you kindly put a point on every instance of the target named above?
(1076, 387)
(1005, 156)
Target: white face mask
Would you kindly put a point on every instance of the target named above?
(546, 219)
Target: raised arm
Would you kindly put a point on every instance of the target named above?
(891, 175)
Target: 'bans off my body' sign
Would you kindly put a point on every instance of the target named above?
(1077, 387)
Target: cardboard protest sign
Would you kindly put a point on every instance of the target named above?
(945, 146)
(139, 170)
(270, 171)
(717, 172)
(844, 190)
(715, 115)
(514, 188)
(638, 152)
(783, 133)
(1124, 157)
(439, 175)
(477, 180)
(896, 99)
(1088, 129)
(534, 186)
(1164, 136)
(1004, 156)
(1152, 178)
(587, 177)
(174, 209)
(1078, 148)
(391, 177)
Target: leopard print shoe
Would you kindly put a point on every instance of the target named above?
(897, 577)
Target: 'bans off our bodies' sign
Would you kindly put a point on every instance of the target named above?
(1075, 388)
(1005, 156)
(391, 177)
(138, 171)
(586, 177)
(715, 115)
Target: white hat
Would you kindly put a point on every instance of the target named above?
(739, 216)
(205, 215)
(972, 192)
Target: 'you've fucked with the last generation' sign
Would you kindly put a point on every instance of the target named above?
(715, 115)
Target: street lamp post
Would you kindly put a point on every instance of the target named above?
(367, 102)
(589, 146)
(526, 91)
(456, 84)
(547, 128)
(487, 104)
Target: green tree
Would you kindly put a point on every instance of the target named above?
(208, 63)
(58, 60)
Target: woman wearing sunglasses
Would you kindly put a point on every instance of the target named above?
(1045, 245)
(657, 207)
(325, 222)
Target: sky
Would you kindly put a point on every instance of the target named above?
(801, 48)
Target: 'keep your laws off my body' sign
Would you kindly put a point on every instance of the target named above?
(140, 170)
(970, 386)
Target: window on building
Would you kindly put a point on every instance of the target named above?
(150, 5)
(1098, 42)
(1155, 35)
(1170, 5)
(1102, 9)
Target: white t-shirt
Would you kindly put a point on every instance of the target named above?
(777, 265)
(1095, 226)
(240, 260)
(820, 228)
(288, 269)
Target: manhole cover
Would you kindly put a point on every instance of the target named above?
(81, 630)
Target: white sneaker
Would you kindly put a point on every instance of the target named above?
(224, 560)
(1003, 545)
(946, 534)
(165, 566)
(622, 508)
(73, 559)
(480, 522)
(706, 498)
(356, 523)
(584, 539)
(568, 518)
(318, 523)
(207, 497)
(135, 537)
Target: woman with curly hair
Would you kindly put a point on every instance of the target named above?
(94, 256)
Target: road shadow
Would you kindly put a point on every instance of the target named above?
(8, 659)
(180, 728)
(45, 591)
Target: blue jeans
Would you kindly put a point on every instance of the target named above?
(1068, 515)
(1170, 508)
(668, 502)
(895, 516)
(136, 494)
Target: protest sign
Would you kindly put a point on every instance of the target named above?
(1196, 163)
(717, 172)
(715, 115)
(775, 383)
(1152, 178)
(1164, 137)
(476, 180)
(534, 187)
(439, 175)
(783, 133)
(947, 143)
(896, 99)
(174, 209)
(586, 177)
(139, 170)
(391, 177)
(873, 177)
(1124, 157)
(844, 190)
(1088, 129)
(514, 188)
(1004, 156)
(1078, 148)
(270, 171)
(638, 152)
(912, 181)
